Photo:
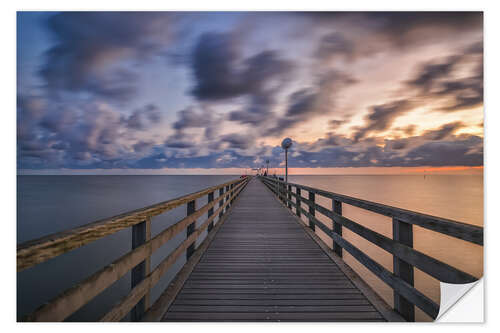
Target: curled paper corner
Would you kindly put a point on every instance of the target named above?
(459, 303)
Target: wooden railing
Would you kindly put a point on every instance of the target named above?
(405, 257)
(137, 261)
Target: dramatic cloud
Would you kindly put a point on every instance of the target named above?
(335, 45)
(95, 51)
(458, 79)
(382, 116)
(306, 103)
(216, 90)
(220, 73)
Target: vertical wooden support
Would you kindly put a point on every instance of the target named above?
(289, 195)
(297, 201)
(210, 211)
(312, 211)
(141, 233)
(231, 193)
(403, 233)
(227, 198)
(221, 202)
(191, 208)
(337, 227)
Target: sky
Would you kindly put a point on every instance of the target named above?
(217, 92)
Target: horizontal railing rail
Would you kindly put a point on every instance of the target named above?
(406, 296)
(137, 260)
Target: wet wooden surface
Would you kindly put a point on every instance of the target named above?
(262, 266)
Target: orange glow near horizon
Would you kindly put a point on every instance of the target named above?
(451, 170)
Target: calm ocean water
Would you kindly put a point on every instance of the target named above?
(48, 204)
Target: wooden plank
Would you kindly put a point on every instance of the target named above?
(42, 249)
(270, 308)
(269, 316)
(273, 302)
(271, 297)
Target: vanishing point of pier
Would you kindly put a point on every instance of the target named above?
(260, 260)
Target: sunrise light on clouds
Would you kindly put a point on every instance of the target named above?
(167, 92)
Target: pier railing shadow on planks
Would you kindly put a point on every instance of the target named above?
(137, 260)
(405, 258)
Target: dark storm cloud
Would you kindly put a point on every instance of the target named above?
(238, 141)
(444, 131)
(400, 29)
(80, 135)
(438, 79)
(442, 153)
(381, 117)
(144, 117)
(220, 73)
(334, 45)
(191, 118)
(94, 51)
(307, 103)
(257, 111)
(335, 123)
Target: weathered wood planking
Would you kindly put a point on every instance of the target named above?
(262, 266)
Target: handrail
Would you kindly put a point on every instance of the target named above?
(464, 231)
(406, 296)
(36, 251)
(137, 260)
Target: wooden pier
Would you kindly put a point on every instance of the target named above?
(262, 265)
(259, 261)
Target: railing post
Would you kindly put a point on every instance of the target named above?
(297, 202)
(210, 211)
(289, 196)
(227, 198)
(141, 233)
(312, 211)
(191, 208)
(221, 202)
(403, 233)
(337, 227)
(232, 193)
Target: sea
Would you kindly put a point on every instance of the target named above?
(49, 204)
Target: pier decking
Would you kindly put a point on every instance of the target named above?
(262, 265)
(259, 260)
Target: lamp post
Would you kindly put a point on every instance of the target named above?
(285, 144)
